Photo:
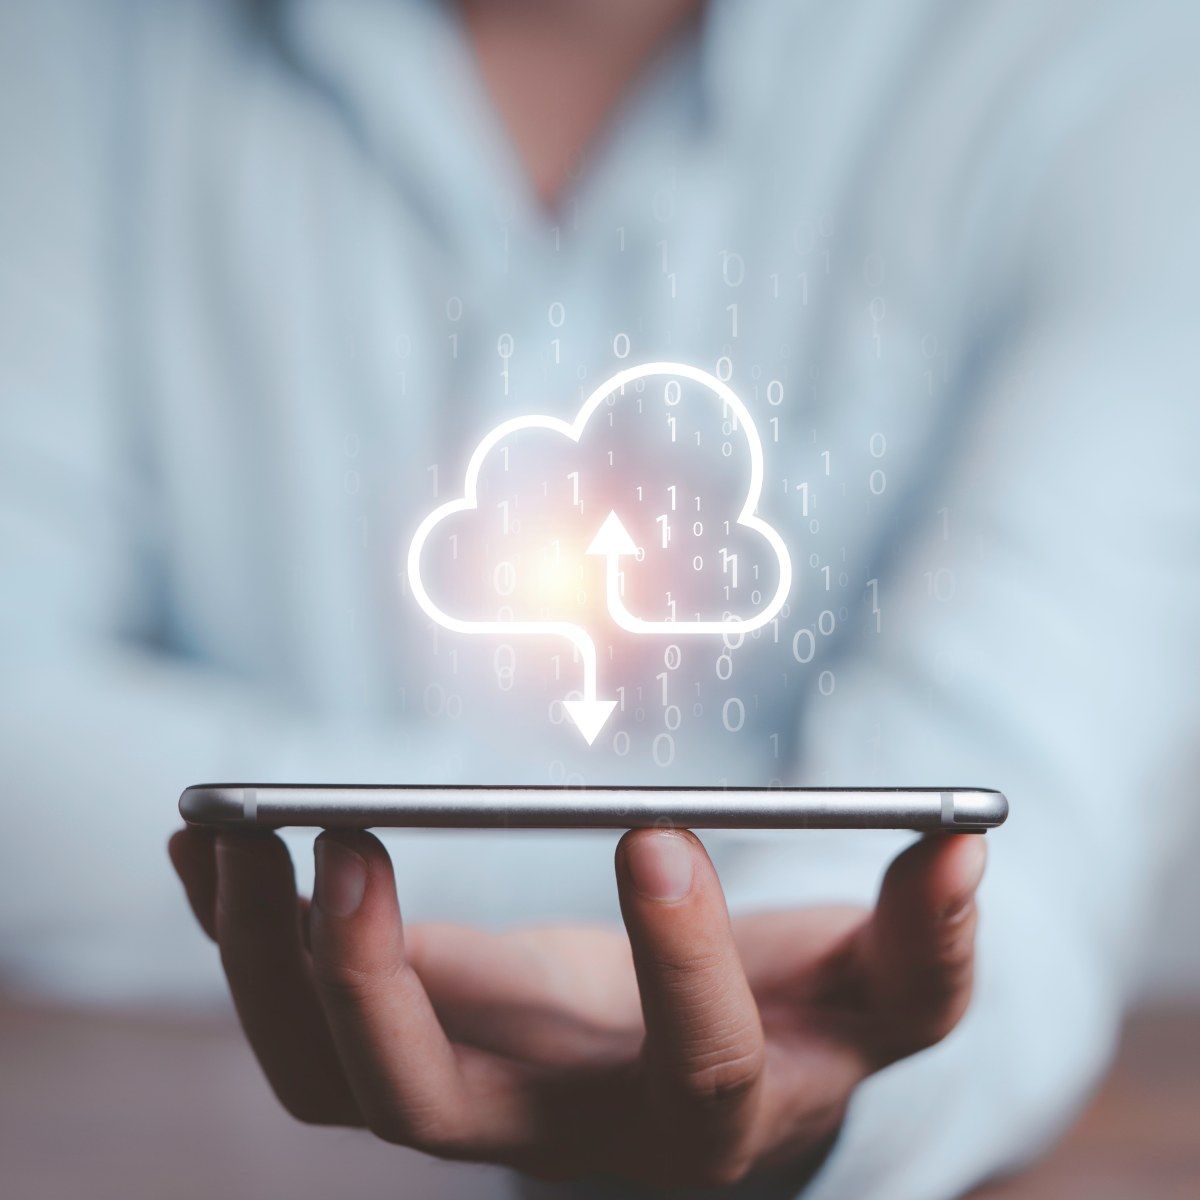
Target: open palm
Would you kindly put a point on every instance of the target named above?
(695, 1051)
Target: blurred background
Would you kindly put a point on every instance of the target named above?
(268, 267)
(1173, 973)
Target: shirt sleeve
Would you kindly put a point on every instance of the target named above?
(1038, 633)
(101, 723)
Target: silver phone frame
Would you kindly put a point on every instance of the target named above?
(487, 806)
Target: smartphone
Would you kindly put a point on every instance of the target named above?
(484, 806)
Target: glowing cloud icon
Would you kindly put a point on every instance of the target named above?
(612, 541)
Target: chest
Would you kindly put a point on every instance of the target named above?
(325, 350)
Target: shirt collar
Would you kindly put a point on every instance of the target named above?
(403, 77)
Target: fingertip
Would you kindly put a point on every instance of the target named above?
(958, 873)
(190, 849)
(361, 841)
(937, 874)
(355, 923)
(341, 877)
(659, 864)
(255, 881)
(972, 853)
(246, 859)
(350, 858)
(178, 838)
(919, 947)
(191, 853)
(248, 844)
(652, 835)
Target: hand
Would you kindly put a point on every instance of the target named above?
(695, 1053)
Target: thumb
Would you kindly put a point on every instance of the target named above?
(918, 949)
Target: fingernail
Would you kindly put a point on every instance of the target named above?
(341, 878)
(974, 869)
(660, 866)
(237, 863)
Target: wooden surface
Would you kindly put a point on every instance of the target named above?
(145, 1109)
(1140, 1137)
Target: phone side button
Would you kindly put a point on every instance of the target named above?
(947, 809)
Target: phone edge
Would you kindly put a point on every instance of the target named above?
(960, 810)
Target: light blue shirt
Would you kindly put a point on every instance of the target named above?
(264, 268)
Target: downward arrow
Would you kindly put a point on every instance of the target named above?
(612, 540)
(589, 715)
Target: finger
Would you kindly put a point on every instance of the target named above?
(919, 946)
(704, 1041)
(411, 1083)
(192, 855)
(257, 928)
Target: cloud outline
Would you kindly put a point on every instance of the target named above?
(577, 635)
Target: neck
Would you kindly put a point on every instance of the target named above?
(556, 69)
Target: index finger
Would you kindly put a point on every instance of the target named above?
(412, 1083)
(704, 1040)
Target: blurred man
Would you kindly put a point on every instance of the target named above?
(271, 269)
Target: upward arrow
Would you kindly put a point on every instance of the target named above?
(612, 538)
